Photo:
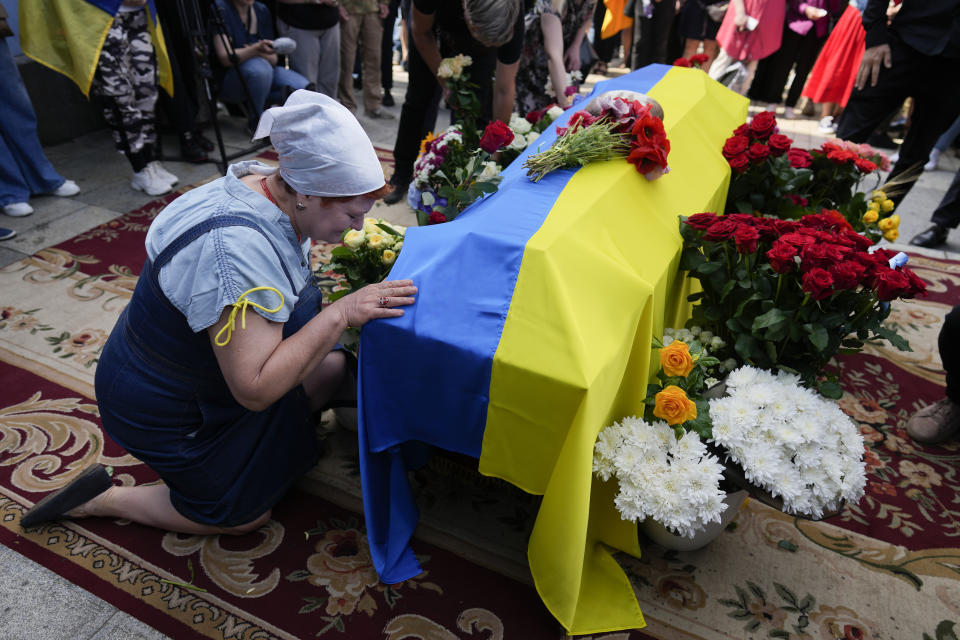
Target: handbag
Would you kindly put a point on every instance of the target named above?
(717, 11)
(588, 57)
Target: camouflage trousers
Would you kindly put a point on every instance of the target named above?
(126, 82)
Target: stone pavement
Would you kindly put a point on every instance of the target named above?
(35, 602)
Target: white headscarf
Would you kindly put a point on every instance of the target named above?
(323, 150)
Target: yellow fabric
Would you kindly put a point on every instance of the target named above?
(613, 20)
(67, 36)
(240, 306)
(598, 280)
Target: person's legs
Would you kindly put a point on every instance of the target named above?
(807, 52)
(24, 168)
(386, 49)
(772, 71)
(372, 29)
(940, 421)
(947, 214)
(258, 75)
(150, 505)
(943, 142)
(349, 33)
(285, 81)
(306, 58)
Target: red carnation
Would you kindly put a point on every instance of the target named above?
(701, 220)
(746, 239)
(722, 229)
(739, 163)
(892, 284)
(799, 158)
(699, 58)
(681, 62)
(841, 156)
(496, 136)
(779, 144)
(865, 166)
(758, 152)
(818, 283)
(436, 217)
(735, 145)
(763, 124)
(781, 257)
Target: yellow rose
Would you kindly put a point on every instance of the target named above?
(374, 240)
(353, 239)
(389, 256)
(870, 216)
(388, 240)
(370, 225)
(891, 234)
(673, 405)
(873, 206)
(879, 195)
(895, 220)
(886, 205)
(676, 360)
(886, 224)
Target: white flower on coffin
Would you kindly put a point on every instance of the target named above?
(489, 171)
(554, 112)
(519, 124)
(790, 441)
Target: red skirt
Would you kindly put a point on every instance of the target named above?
(835, 71)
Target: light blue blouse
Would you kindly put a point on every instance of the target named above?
(213, 271)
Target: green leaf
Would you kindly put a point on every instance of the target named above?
(945, 630)
(830, 389)
(819, 338)
(343, 252)
(746, 347)
(771, 318)
(894, 338)
(707, 268)
(390, 230)
(702, 424)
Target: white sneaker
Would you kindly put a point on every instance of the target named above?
(933, 161)
(150, 183)
(67, 189)
(772, 107)
(17, 209)
(827, 125)
(789, 113)
(162, 173)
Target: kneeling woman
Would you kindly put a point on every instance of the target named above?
(220, 406)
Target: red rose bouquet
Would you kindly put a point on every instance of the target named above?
(610, 127)
(790, 294)
(771, 176)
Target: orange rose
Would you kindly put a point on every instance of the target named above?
(676, 359)
(673, 405)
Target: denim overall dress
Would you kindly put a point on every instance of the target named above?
(163, 398)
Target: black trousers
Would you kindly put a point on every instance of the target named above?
(603, 47)
(418, 116)
(651, 36)
(949, 345)
(947, 213)
(930, 80)
(773, 71)
(386, 47)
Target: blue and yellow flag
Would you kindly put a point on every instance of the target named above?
(67, 36)
(531, 332)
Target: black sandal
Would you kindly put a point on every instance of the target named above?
(93, 481)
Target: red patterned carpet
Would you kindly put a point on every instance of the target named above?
(886, 568)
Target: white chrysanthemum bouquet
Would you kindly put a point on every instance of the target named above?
(673, 481)
(790, 441)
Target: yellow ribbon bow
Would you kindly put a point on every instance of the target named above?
(241, 306)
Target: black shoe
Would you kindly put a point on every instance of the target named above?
(205, 143)
(398, 193)
(881, 140)
(191, 150)
(89, 484)
(388, 99)
(932, 237)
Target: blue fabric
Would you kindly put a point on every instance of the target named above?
(24, 168)
(465, 271)
(209, 274)
(163, 398)
(265, 82)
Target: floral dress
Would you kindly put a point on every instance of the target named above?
(533, 74)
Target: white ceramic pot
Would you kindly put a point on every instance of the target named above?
(662, 536)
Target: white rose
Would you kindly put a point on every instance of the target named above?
(490, 170)
(519, 124)
(353, 238)
(519, 143)
(531, 137)
(554, 112)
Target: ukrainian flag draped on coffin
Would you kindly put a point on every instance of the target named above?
(531, 332)
(67, 36)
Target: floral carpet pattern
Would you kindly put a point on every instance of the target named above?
(888, 567)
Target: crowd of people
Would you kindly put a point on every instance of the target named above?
(259, 385)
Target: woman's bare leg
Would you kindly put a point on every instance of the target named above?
(150, 505)
(690, 47)
(323, 383)
(709, 48)
(626, 39)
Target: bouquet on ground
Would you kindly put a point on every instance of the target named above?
(695, 61)
(614, 125)
(788, 441)
(366, 255)
(771, 176)
(790, 294)
(449, 176)
(661, 461)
